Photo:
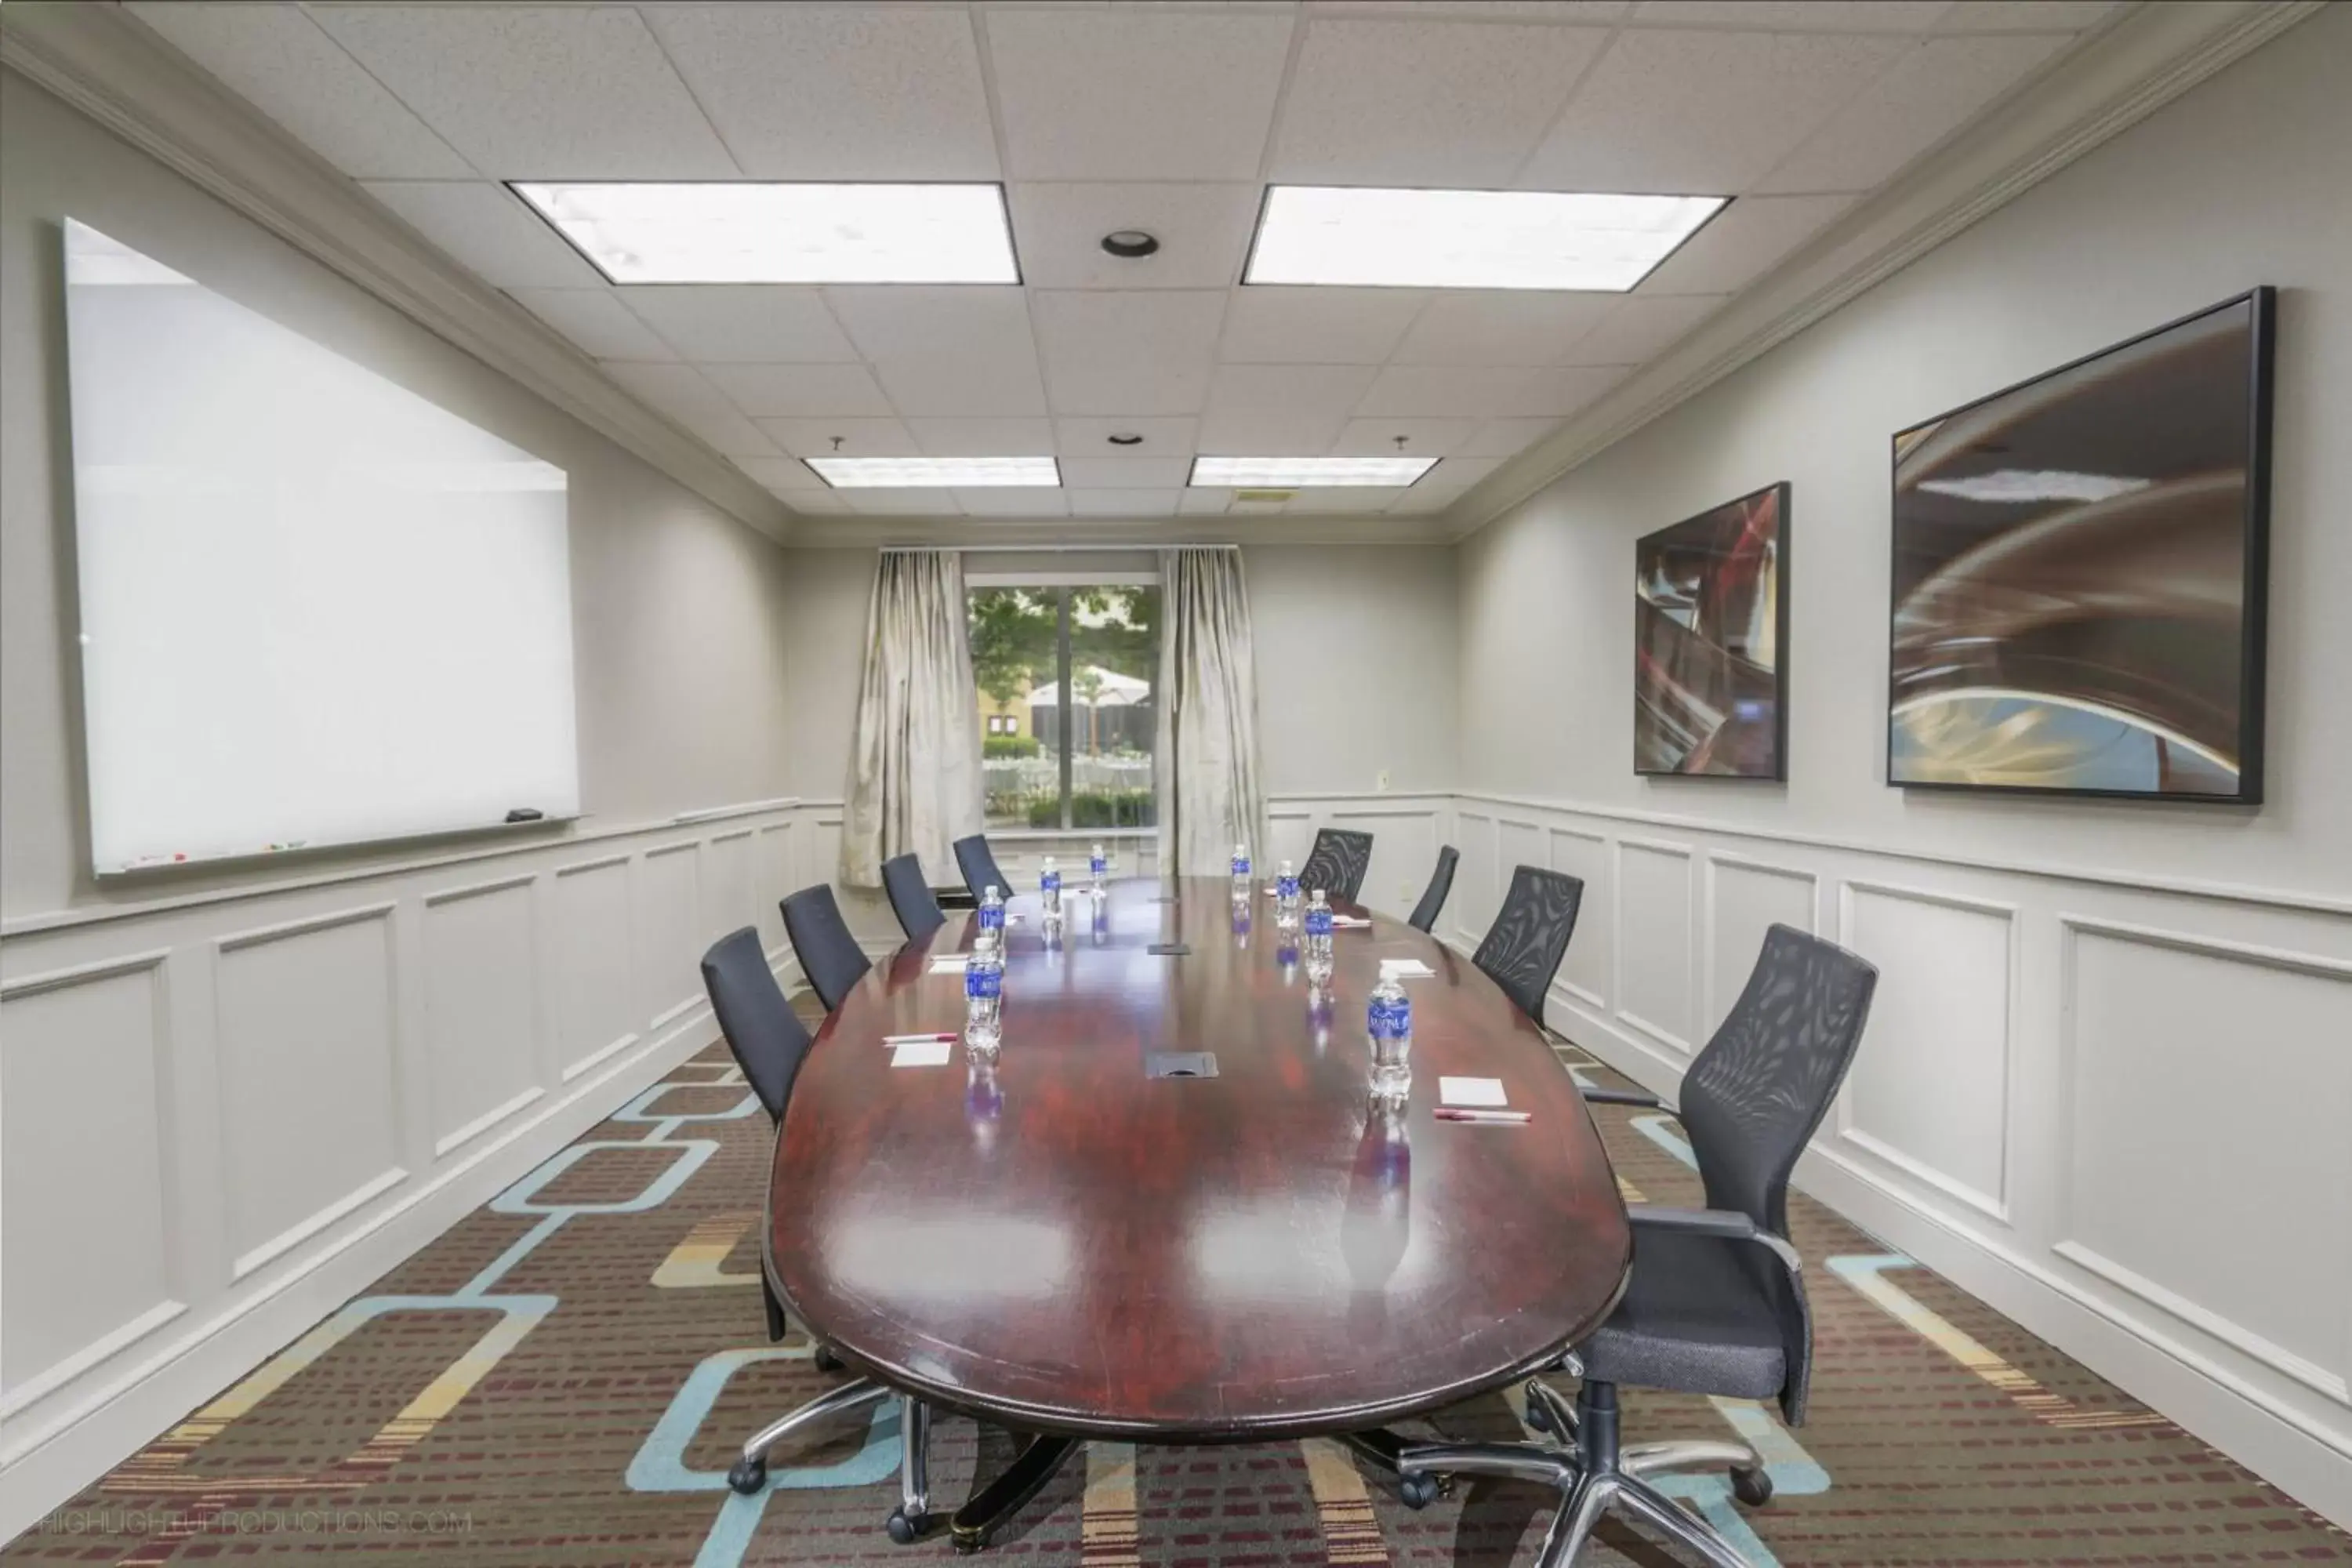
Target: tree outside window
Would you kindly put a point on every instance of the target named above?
(1067, 677)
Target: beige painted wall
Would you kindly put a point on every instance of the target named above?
(2225, 188)
(684, 700)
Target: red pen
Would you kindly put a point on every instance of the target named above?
(915, 1039)
(1499, 1118)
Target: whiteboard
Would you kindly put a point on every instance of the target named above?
(316, 609)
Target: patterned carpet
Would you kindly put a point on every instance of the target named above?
(559, 1379)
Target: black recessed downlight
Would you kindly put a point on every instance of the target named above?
(1130, 244)
(1125, 438)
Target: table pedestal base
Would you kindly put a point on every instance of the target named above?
(1038, 1462)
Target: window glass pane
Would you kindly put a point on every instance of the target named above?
(1114, 668)
(1014, 646)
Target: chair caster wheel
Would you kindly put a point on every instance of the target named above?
(825, 1360)
(1418, 1490)
(1753, 1488)
(748, 1476)
(905, 1529)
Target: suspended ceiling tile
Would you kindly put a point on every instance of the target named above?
(598, 324)
(1317, 326)
(1702, 113)
(484, 228)
(777, 475)
(1127, 93)
(1482, 391)
(1125, 473)
(912, 502)
(909, 321)
(2064, 16)
(1203, 231)
(1204, 500)
(822, 92)
(537, 92)
(279, 60)
(1163, 435)
(1503, 439)
(799, 390)
(1743, 243)
(1931, 92)
(1503, 326)
(680, 391)
(970, 383)
(1640, 327)
(1144, 351)
(1344, 500)
(1015, 501)
(1028, 436)
(1811, 16)
(1424, 101)
(816, 503)
(1305, 389)
(741, 322)
(1125, 502)
(1424, 437)
(1269, 432)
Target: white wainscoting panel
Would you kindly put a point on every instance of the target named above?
(1929, 1091)
(1404, 853)
(481, 1007)
(1654, 940)
(1584, 973)
(595, 986)
(223, 1114)
(309, 1108)
(2190, 1186)
(83, 1156)
(1743, 899)
(1477, 889)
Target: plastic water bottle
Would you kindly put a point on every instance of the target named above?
(1285, 898)
(991, 919)
(1319, 938)
(1097, 871)
(1049, 891)
(1388, 1020)
(983, 998)
(1241, 873)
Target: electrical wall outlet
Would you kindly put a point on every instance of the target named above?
(1382, 781)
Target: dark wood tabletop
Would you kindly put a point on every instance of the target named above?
(1070, 1245)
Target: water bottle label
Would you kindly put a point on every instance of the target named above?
(1241, 865)
(992, 916)
(1286, 885)
(1050, 883)
(1097, 865)
(1390, 1020)
(1319, 922)
(980, 982)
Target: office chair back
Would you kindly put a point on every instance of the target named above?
(978, 864)
(829, 955)
(911, 898)
(1529, 936)
(766, 1036)
(1432, 898)
(1755, 1093)
(1337, 863)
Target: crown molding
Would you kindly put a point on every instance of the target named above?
(107, 65)
(819, 532)
(2099, 90)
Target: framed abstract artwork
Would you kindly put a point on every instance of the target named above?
(2079, 574)
(1710, 642)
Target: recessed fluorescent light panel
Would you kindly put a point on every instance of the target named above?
(934, 473)
(737, 232)
(1303, 472)
(1467, 239)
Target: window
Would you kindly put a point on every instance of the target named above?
(1065, 677)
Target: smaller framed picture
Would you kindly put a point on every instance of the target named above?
(1710, 642)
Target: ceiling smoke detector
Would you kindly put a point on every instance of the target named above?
(1124, 438)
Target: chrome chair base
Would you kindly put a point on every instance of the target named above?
(913, 1515)
(1581, 1457)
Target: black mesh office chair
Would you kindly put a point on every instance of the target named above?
(978, 864)
(768, 1041)
(829, 955)
(911, 898)
(1529, 936)
(1432, 898)
(1337, 863)
(1717, 1302)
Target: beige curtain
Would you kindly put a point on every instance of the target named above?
(1205, 757)
(914, 761)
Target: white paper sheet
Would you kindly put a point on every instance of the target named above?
(1404, 969)
(1474, 1092)
(921, 1054)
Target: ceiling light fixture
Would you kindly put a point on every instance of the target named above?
(1130, 244)
(1303, 472)
(935, 473)
(759, 231)
(1124, 438)
(1467, 239)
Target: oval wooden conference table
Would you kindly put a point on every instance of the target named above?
(1069, 1247)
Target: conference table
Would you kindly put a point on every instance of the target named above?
(1169, 1211)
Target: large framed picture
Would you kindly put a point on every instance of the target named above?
(2079, 568)
(1710, 642)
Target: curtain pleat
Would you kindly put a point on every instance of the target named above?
(914, 762)
(1205, 756)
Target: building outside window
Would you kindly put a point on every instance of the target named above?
(1067, 675)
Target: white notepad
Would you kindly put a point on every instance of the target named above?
(948, 965)
(921, 1054)
(1404, 969)
(1350, 923)
(1471, 1091)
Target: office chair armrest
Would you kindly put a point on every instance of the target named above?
(1640, 1097)
(1729, 1224)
